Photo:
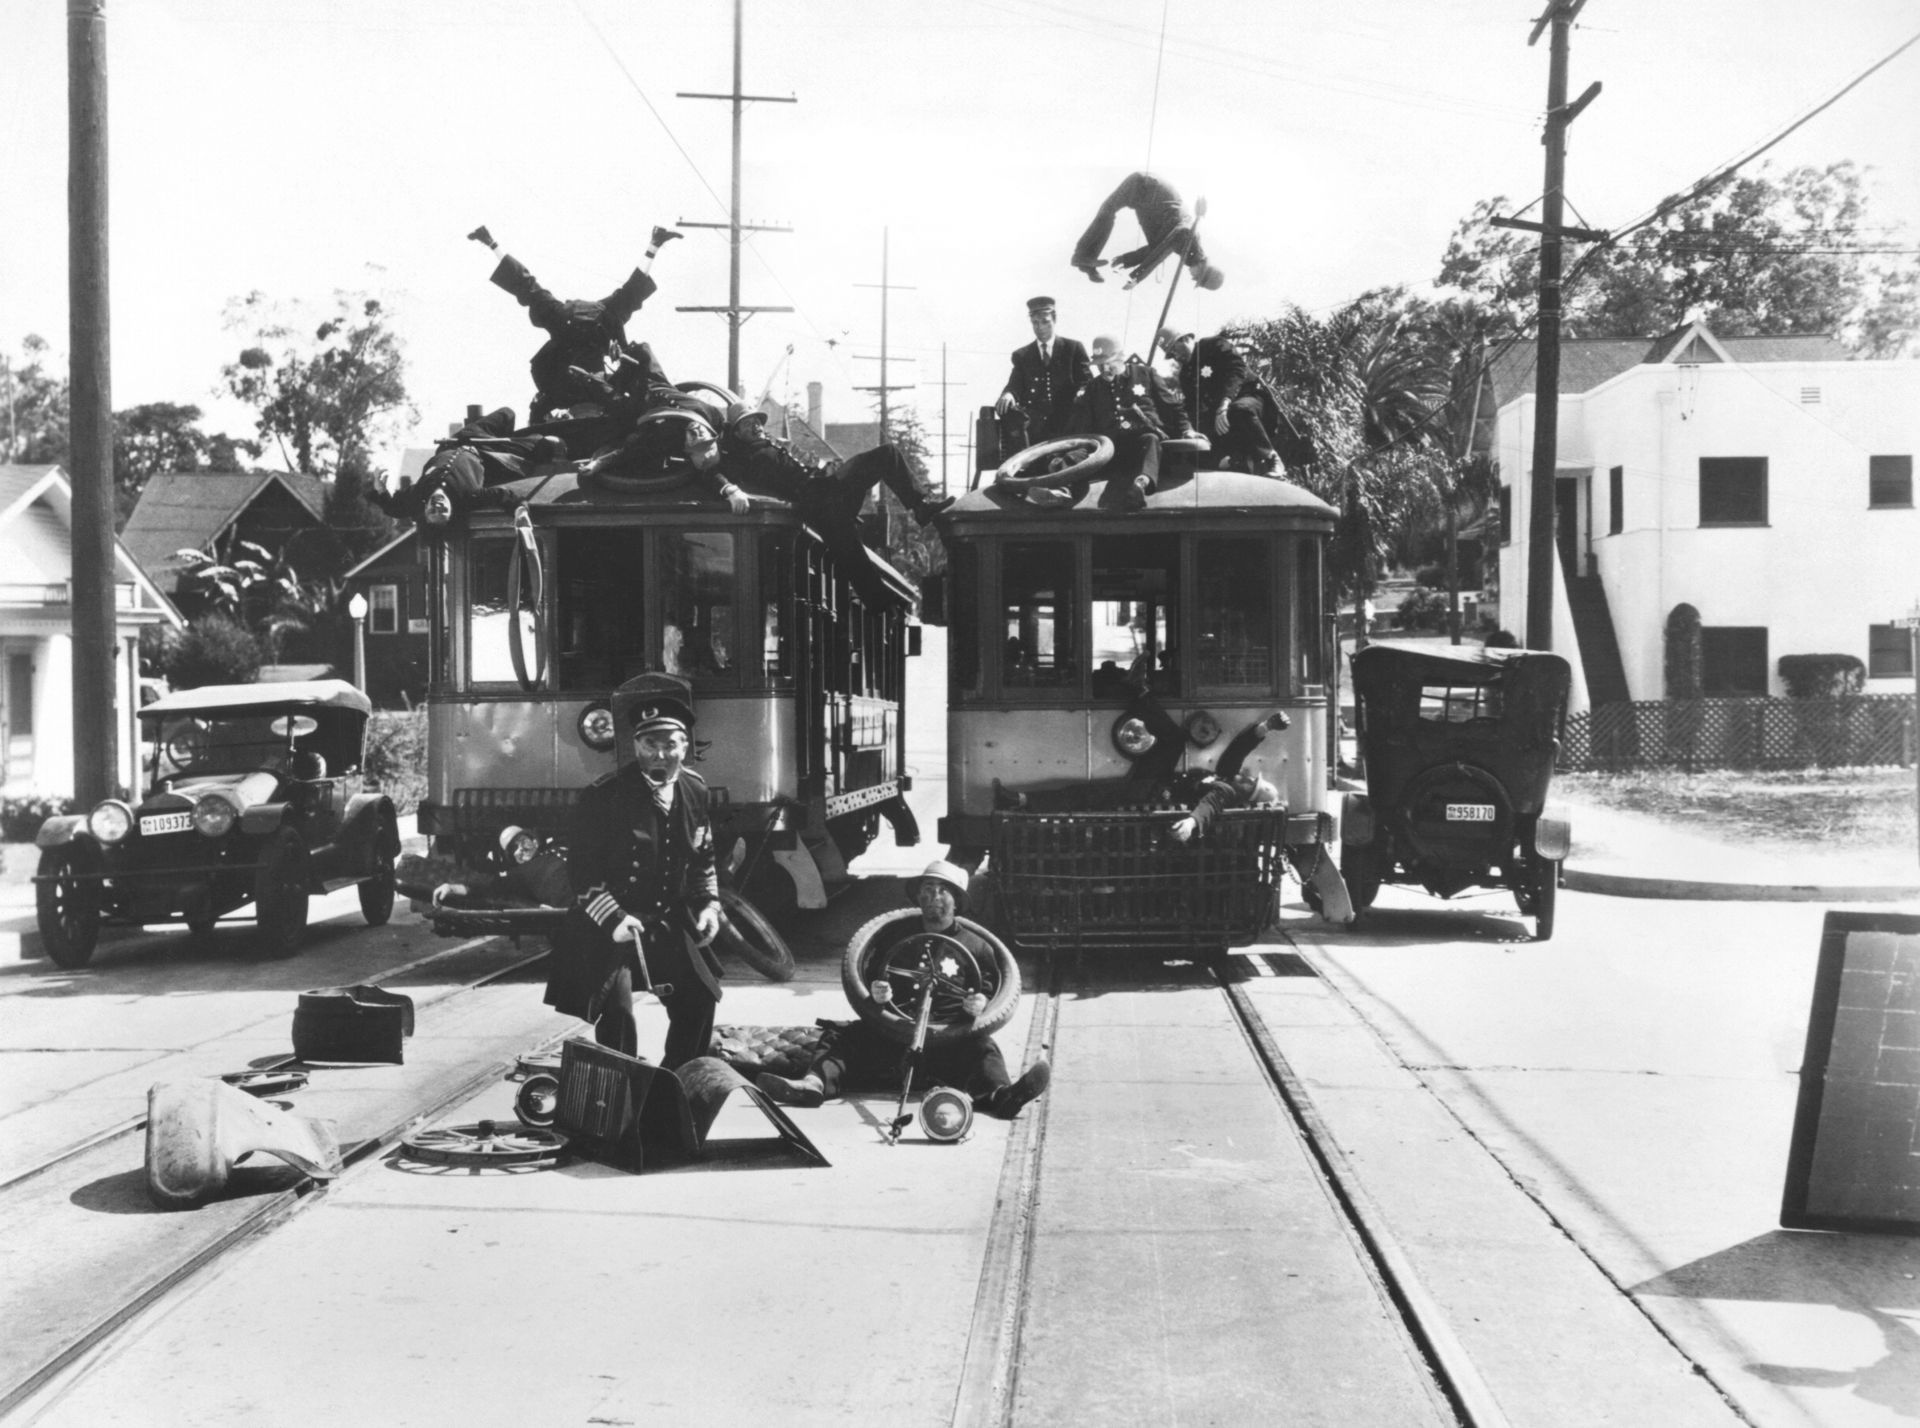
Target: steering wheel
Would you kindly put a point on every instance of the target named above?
(185, 748)
(928, 962)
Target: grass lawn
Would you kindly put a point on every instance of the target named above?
(1845, 808)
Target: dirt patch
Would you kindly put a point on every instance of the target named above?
(1838, 808)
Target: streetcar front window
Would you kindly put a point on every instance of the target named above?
(600, 622)
(1136, 584)
(1234, 625)
(1037, 598)
(490, 611)
(699, 636)
(1308, 638)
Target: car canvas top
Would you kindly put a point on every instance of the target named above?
(330, 693)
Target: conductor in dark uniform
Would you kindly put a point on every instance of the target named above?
(1047, 373)
(1224, 401)
(647, 901)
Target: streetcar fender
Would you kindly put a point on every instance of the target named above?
(1356, 819)
(60, 830)
(198, 1129)
(1552, 838)
(906, 828)
(808, 885)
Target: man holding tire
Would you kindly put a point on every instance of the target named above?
(862, 1056)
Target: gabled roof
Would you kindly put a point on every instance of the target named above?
(406, 535)
(24, 487)
(182, 510)
(1587, 362)
(849, 438)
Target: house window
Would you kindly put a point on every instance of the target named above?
(1733, 490)
(1616, 499)
(1889, 652)
(1506, 515)
(383, 609)
(1733, 659)
(1890, 481)
(20, 694)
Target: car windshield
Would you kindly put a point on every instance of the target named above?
(215, 743)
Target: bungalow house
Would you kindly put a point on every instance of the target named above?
(1765, 482)
(36, 635)
(393, 581)
(213, 511)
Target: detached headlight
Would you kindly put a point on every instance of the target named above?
(111, 821)
(213, 815)
(597, 730)
(1132, 737)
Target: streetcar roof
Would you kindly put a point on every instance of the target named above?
(329, 693)
(562, 491)
(1216, 493)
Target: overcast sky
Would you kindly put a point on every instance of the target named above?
(301, 146)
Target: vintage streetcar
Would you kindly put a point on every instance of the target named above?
(1101, 661)
(540, 613)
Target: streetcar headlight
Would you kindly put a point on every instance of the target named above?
(213, 815)
(597, 730)
(1202, 729)
(1132, 737)
(111, 821)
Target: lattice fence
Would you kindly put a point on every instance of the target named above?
(1742, 733)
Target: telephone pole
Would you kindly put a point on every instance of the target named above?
(943, 384)
(96, 760)
(735, 311)
(884, 387)
(1541, 524)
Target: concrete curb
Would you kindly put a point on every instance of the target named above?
(1623, 885)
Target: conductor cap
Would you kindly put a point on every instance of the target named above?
(1039, 304)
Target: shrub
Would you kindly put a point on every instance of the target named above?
(1683, 658)
(20, 818)
(214, 650)
(1815, 676)
(397, 756)
(1423, 609)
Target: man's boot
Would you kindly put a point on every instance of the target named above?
(1004, 1103)
(929, 509)
(805, 1091)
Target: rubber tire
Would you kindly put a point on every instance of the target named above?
(1009, 477)
(745, 934)
(895, 1025)
(1544, 874)
(671, 479)
(376, 891)
(280, 895)
(68, 910)
(1360, 866)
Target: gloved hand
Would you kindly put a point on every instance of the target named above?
(628, 929)
(706, 923)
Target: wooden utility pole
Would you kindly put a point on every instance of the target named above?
(736, 313)
(1546, 414)
(885, 287)
(96, 760)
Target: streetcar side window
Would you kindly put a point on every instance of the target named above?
(1136, 588)
(1037, 603)
(776, 607)
(489, 610)
(699, 637)
(1307, 634)
(1234, 625)
(963, 618)
(600, 621)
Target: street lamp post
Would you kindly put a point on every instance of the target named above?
(357, 607)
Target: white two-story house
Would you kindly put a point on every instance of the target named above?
(1765, 481)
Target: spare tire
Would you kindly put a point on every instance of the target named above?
(746, 934)
(1044, 464)
(894, 947)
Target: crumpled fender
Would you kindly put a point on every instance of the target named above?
(198, 1129)
(1552, 838)
(60, 830)
(1356, 819)
(260, 818)
(364, 811)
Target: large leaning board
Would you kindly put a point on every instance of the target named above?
(1855, 1159)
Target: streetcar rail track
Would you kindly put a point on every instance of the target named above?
(135, 1124)
(270, 1211)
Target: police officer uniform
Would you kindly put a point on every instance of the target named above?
(1212, 375)
(1120, 407)
(639, 852)
(569, 368)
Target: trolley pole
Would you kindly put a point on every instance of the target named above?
(96, 760)
(1546, 415)
(735, 311)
